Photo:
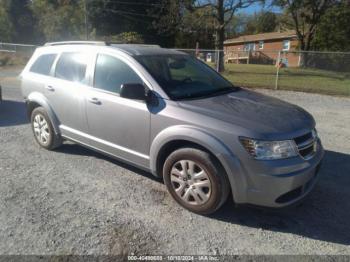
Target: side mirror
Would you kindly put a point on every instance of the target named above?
(133, 91)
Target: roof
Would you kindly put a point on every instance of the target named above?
(261, 37)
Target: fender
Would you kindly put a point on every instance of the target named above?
(200, 136)
(40, 99)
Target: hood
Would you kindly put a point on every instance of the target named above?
(253, 111)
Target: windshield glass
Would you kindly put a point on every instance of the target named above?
(184, 77)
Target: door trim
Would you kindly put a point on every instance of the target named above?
(104, 142)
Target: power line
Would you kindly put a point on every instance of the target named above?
(129, 13)
(132, 18)
(133, 3)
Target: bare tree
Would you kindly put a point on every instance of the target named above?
(222, 11)
(305, 16)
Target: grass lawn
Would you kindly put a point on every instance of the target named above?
(296, 79)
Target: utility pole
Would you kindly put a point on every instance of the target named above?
(86, 20)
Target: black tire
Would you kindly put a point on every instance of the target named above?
(219, 183)
(53, 141)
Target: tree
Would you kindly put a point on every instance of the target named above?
(265, 22)
(6, 27)
(222, 12)
(260, 22)
(333, 34)
(194, 27)
(237, 25)
(126, 38)
(60, 19)
(186, 24)
(22, 19)
(305, 17)
(16, 21)
(141, 16)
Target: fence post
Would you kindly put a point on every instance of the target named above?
(217, 60)
(278, 69)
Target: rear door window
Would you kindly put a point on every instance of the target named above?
(43, 64)
(72, 67)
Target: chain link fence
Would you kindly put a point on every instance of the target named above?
(15, 54)
(319, 72)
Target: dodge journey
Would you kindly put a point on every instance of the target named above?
(170, 114)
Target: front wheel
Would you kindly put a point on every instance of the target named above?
(196, 180)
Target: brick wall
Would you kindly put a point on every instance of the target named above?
(269, 52)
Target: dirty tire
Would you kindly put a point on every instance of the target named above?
(52, 140)
(215, 195)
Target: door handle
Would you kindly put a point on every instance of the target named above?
(50, 88)
(94, 100)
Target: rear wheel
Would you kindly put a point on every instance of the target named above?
(43, 131)
(196, 180)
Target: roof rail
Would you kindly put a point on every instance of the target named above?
(141, 45)
(76, 43)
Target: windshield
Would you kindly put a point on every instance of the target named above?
(184, 77)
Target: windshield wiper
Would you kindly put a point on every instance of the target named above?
(216, 92)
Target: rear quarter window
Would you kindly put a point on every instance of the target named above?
(43, 64)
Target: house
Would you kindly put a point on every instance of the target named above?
(264, 48)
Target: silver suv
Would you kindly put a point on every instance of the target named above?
(169, 113)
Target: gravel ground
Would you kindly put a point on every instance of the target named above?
(75, 201)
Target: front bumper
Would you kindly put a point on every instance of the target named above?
(276, 183)
(283, 191)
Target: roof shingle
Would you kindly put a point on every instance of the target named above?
(261, 37)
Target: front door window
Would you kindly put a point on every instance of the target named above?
(111, 73)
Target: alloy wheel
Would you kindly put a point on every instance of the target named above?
(190, 182)
(41, 129)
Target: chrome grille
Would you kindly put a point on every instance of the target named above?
(307, 144)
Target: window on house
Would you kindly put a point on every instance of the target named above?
(249, 47)
(261, 44)
(286, 45)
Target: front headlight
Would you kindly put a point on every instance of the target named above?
(269, 150)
